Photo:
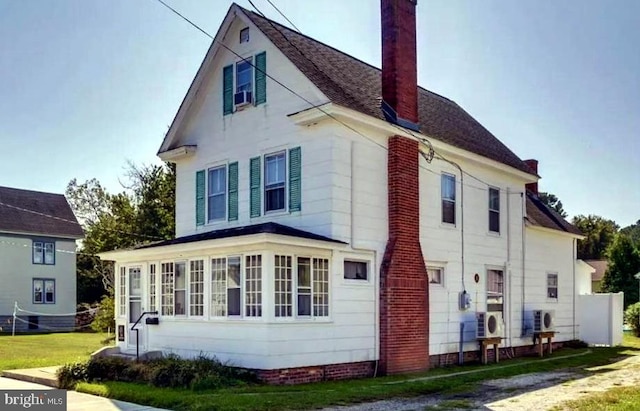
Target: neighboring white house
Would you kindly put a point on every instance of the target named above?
(38, 234)
(282, 222)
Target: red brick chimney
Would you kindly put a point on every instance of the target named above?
(533, 165)
(404, 299)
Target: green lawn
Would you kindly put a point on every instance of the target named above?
(41, 350)
(310, 396)
(616, 399)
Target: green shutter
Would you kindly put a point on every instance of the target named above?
(200, 190)
(254, 181)
(233, 191)
(261, 78)
(227, 87)
(295, 181)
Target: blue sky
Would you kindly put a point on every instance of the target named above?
(86, 85)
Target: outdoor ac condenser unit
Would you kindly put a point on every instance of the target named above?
(543, 321)
(489, 325)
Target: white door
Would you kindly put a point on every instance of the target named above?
(135, 310)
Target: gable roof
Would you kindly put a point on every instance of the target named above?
(34, 212)
(356, 85)
(262, 228)
(539, 214)
(600, 266)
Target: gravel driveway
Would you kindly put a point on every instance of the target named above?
(536, 391)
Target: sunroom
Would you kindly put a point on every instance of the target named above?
(243, 295)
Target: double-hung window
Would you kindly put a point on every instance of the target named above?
(44, 252)
(494, 210)
(309, 284)
(448, 190)
(275, 173)
(217, 194)
(232, 293)
(552, 285)
(244, 81)
(44, 291)
(495, 290)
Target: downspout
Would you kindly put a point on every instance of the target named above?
(573, 253)
(524, 273)
(509, 267)
(376, 284)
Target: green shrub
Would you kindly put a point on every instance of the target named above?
(107, 368)
(632, 318)
(201, 373)
(70, 374)
(105, 317)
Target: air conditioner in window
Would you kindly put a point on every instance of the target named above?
(489, 325)
(242, 98)
(543, 321)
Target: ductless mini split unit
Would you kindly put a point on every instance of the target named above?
(543, 321)
(490, 325)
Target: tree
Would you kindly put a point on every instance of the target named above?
(142, 213)
(633, 231)
(624, 264)
(600, 234)
(553, 202)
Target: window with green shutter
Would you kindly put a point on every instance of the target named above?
(295, 179)
(200, 197)
(233, 191)
(261, 78)
(227, 87)
(254, 182)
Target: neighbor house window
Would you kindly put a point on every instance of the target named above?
(196, 288)
(448, 189)
(494, 210)
(217, 194)
(436, 275)
(356, 270)
(44, 252)
(274, 181)
(313, 287)
(283, 277)
(152, 288)
(552, 285)
(244, 35)
(167, 287)
(44, 291)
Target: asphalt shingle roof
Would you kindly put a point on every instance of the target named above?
(351, 83)
(539, 214)
(34, 212)
(268, 228)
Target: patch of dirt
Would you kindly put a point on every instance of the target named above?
(536, 391)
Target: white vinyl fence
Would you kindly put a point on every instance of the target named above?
(601, 318)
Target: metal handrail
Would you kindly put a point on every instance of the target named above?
(133, 328)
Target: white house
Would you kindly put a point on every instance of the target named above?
(313, 238)
(38, 234)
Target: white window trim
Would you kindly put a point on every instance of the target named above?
(204, 288)
(223, 219)
(437, 266)
(455, 201)
(263, 181)
(355, 281)
(499, 211)
(546, 288)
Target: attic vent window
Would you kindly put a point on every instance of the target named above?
(244, 35)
